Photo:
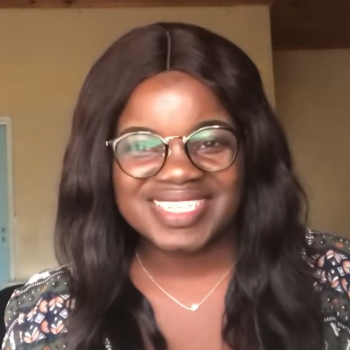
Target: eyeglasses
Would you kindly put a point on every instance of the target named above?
(143, 154)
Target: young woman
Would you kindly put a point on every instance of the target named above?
(181, 223)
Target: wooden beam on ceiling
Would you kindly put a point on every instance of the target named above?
(125, 3)
(310, 24)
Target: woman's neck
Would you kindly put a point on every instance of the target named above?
(216, 258)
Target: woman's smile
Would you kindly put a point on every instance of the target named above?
(180, 214)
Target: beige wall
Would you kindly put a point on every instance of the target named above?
(313, 101)
(44, 57)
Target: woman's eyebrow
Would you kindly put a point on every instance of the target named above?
(202, 124)
(136, 129)
(212, 122)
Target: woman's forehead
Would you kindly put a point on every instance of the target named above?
(175, 103)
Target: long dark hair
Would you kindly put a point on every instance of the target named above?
(270, 302)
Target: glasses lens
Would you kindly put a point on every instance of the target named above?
(212, 149)
(140, 155)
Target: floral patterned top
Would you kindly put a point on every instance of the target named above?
(37, 313)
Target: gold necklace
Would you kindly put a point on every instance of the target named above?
(193, 307)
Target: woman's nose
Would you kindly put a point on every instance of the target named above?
(178, 168)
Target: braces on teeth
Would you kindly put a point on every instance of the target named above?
(178, 207)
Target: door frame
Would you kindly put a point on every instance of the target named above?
(7, 121)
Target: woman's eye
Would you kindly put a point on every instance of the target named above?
(142, 147)
(210, 143)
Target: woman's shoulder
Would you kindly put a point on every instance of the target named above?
(320, 240)
(329, 256)
(36, 313)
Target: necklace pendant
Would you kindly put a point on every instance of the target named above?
(194, 307)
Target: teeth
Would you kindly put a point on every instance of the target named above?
(179, 207)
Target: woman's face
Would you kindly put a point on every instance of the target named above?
(181, 208)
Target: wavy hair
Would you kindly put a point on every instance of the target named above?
(270, 303)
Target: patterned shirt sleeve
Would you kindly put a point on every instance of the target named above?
(11, 320)
(36, 314)
(331, 262)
